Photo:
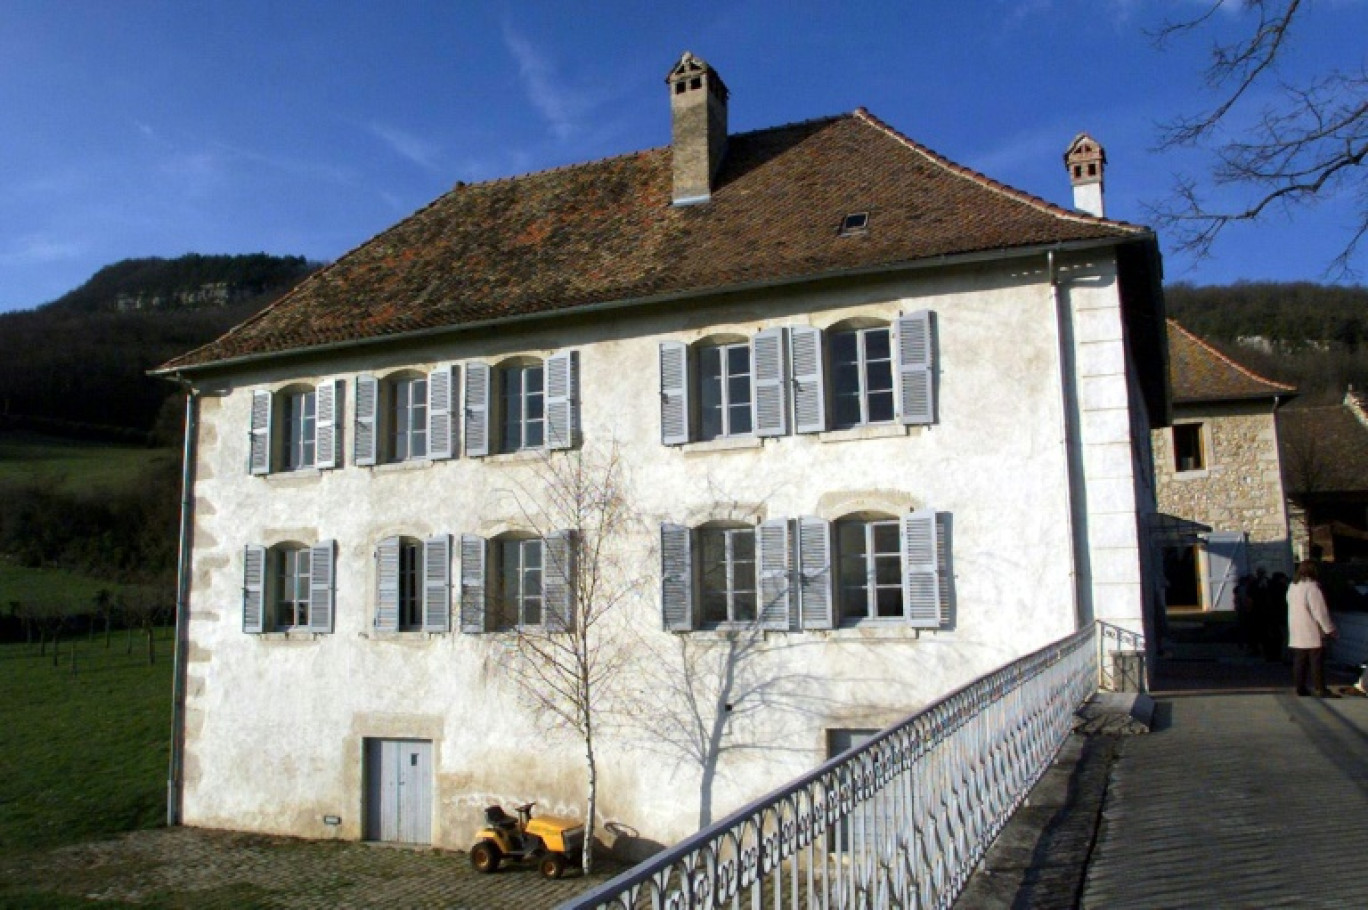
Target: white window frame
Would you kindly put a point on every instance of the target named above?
(738, 578)
(515, 396)
(723, 377)
(512, 563)
(862, 365)
(407, 417)
(870, 558)
(291, 568)
(299, 422)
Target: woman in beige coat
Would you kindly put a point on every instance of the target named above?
(1308, 624)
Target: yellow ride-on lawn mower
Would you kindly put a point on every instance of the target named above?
(548, 840)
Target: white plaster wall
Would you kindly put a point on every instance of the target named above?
(275, 723)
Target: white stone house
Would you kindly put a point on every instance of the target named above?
(886, 422)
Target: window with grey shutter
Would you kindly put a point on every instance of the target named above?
(254, 588)
(322, 590)
(944, 570)
(809, 385)
(921, 571)
(676, 577)
(775, 592)
(674, 393)
(328, 398)
(367, 419)
(558, 581)
(769, 358)
(387, 585)
(443, 396)
(259, 456)
(477, 394)
(437, 583)
(916, 367)
(814, 573)
(562, 400)
(474, 612)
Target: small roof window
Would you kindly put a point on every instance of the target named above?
(854, 223)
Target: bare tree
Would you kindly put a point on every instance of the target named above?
(1308, 144)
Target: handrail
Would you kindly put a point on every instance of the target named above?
(901, 819)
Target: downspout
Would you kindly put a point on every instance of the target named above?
(1069, 434)
(176, 767)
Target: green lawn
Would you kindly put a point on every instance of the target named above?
(82, 756)
(50, 587)
(76, 467)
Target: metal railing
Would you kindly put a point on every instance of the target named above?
(1121, 659)
(898, 821)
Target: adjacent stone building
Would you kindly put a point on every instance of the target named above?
(1324, 453)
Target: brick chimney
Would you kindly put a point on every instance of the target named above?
(698, 137)
(1086, 161)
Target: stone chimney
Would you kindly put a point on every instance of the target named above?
(1086, 161)
(698, 136)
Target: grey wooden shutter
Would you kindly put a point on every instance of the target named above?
(676, 577)
(477, 392)
(437, 583)
(774, 574)
(259, 457)
(944, 569)
(254, 588)
(367, 423)
(321, 586)
(562, 400)
(558, 580)
(769, 361)
(809, 380)
(328, 403)
(814, 573)
(674, 393)
(387, 585)
(915, 346)
(443, 399)
(921, 572)
(474, 614)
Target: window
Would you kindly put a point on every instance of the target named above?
(725, 399)
(413, 580)
(1188, 451)
(728, 575)
(720, 574)
(406, 416)
(288, 587)
(517, 582)
(522, 406)
(708, 391)
(407, 412)
(862, 377)
(410, 600)
(295, 428)
(519, 595)
(292, 577)
(869, 570)
(300, 409)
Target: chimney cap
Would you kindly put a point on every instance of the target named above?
(690, 66)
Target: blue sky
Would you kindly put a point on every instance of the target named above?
(138, 128)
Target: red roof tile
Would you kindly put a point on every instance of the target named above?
(1199, 372)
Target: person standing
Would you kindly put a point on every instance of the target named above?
(1308, 624)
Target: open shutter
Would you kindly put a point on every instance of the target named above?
(562, 400)
(674, 393)
(328, 402)
(321, 586)
(921, 570)
(367, 411)
(809, 380)
(473, 611)
(773, 562)
(254, 589)
(1227, 559)
(944, 571)
(769, 405)
(387, 585)
(676, 577)
(477, 409)
(814, 573)
(259, 458)
(916, 368)
(442, 401)
(558, 581)
(437, 583)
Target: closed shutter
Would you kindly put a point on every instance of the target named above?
(809, 387)
(437, 583)
(321, 586)
(562, 400)
(773, 563)
(674, 393)
(473, 611)
(367, 412)
(769, 406)
(676, 577)
(477, 409)
(916, 368)
(259, 456)
(387, 585)
(254, 589)
(442, 401)
(328, 404)
(814, 573)
(921, 570)
(558, 581)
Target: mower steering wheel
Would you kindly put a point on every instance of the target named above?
(525, 807)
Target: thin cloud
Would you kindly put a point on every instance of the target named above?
(561, 106)
(407, 146)
(39, 250)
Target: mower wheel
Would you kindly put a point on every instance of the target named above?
(552, 865)
(485, 856)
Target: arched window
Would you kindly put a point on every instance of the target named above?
(405, 416)
(861, 375)
(518, 596)
(297, 412)
(522, 405)
(288, 587)
(292, 578)
(869, 559)
(413, 581)
(724, 399)
(727, 576)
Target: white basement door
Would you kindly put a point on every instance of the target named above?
(399, 791)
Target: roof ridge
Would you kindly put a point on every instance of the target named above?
(989, 183)
(1228, 361)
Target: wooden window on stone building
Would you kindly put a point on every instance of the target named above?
(1188, 451)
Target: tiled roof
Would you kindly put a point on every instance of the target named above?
(1323, 449)
(1199, 372)
(606, 233)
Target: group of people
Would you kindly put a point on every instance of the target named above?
(1270, 611)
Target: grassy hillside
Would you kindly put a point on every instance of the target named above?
(73, 466)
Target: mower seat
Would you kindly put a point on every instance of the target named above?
(496, 817)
